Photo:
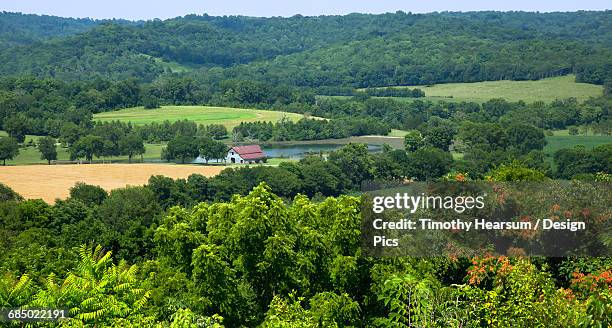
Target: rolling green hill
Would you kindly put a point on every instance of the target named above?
(205, 115)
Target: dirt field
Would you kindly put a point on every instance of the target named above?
(54, 181)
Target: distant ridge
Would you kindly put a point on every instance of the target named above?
(355, 50)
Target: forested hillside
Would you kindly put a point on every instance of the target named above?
(355, 50)
(16, 28)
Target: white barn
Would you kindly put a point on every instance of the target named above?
(245, 154)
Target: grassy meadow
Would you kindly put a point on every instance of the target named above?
(229, 117)
(31, 155)
(398, 133)
(556, 142)
(174, 67)
(546, 90)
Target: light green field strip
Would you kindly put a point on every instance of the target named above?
(554, 143)
(230, 117)
(547, 90)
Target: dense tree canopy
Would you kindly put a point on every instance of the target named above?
(259, 260)
(181, 148)
(356, 50)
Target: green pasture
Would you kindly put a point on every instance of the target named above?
(556, 142)
(174, 67)
(547, 90)
(398, 133)
(230, 117)
(31, 155)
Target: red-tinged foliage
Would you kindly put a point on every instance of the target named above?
(591, 283)
(486, 267)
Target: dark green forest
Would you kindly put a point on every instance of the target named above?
(20, 29)
(355, 50)
(279, 246)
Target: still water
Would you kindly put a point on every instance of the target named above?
(302, 150)
(298, 151)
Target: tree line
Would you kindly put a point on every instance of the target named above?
(309, 129)
(403, 115)
(371, 92)
(395, 92)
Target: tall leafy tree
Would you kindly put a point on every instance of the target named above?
(212, 149)
(215, 131)
(428, 163)
(573, 161)
(413, 140)
(17, 127)
(87, 147)
(525, 137)
(131, 145)
(88, 194)
(9, 148)
(483, 136)
(438, 132)
(47, 149)
(355, 161)
(181, 147)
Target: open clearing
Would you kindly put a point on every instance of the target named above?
(230, 117)
(554, 143)
(54, 181)
(31, 155)
(547, 90)
(174, 67)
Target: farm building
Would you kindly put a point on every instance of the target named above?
(245, 154)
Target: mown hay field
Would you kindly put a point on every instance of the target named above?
(49, 182)
(547, 90)
(229, 117)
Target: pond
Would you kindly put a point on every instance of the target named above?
(298, 151)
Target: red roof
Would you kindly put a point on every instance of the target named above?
(249, 152)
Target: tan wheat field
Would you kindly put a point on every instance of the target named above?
(49, 182)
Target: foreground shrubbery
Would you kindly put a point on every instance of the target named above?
(257, 260)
